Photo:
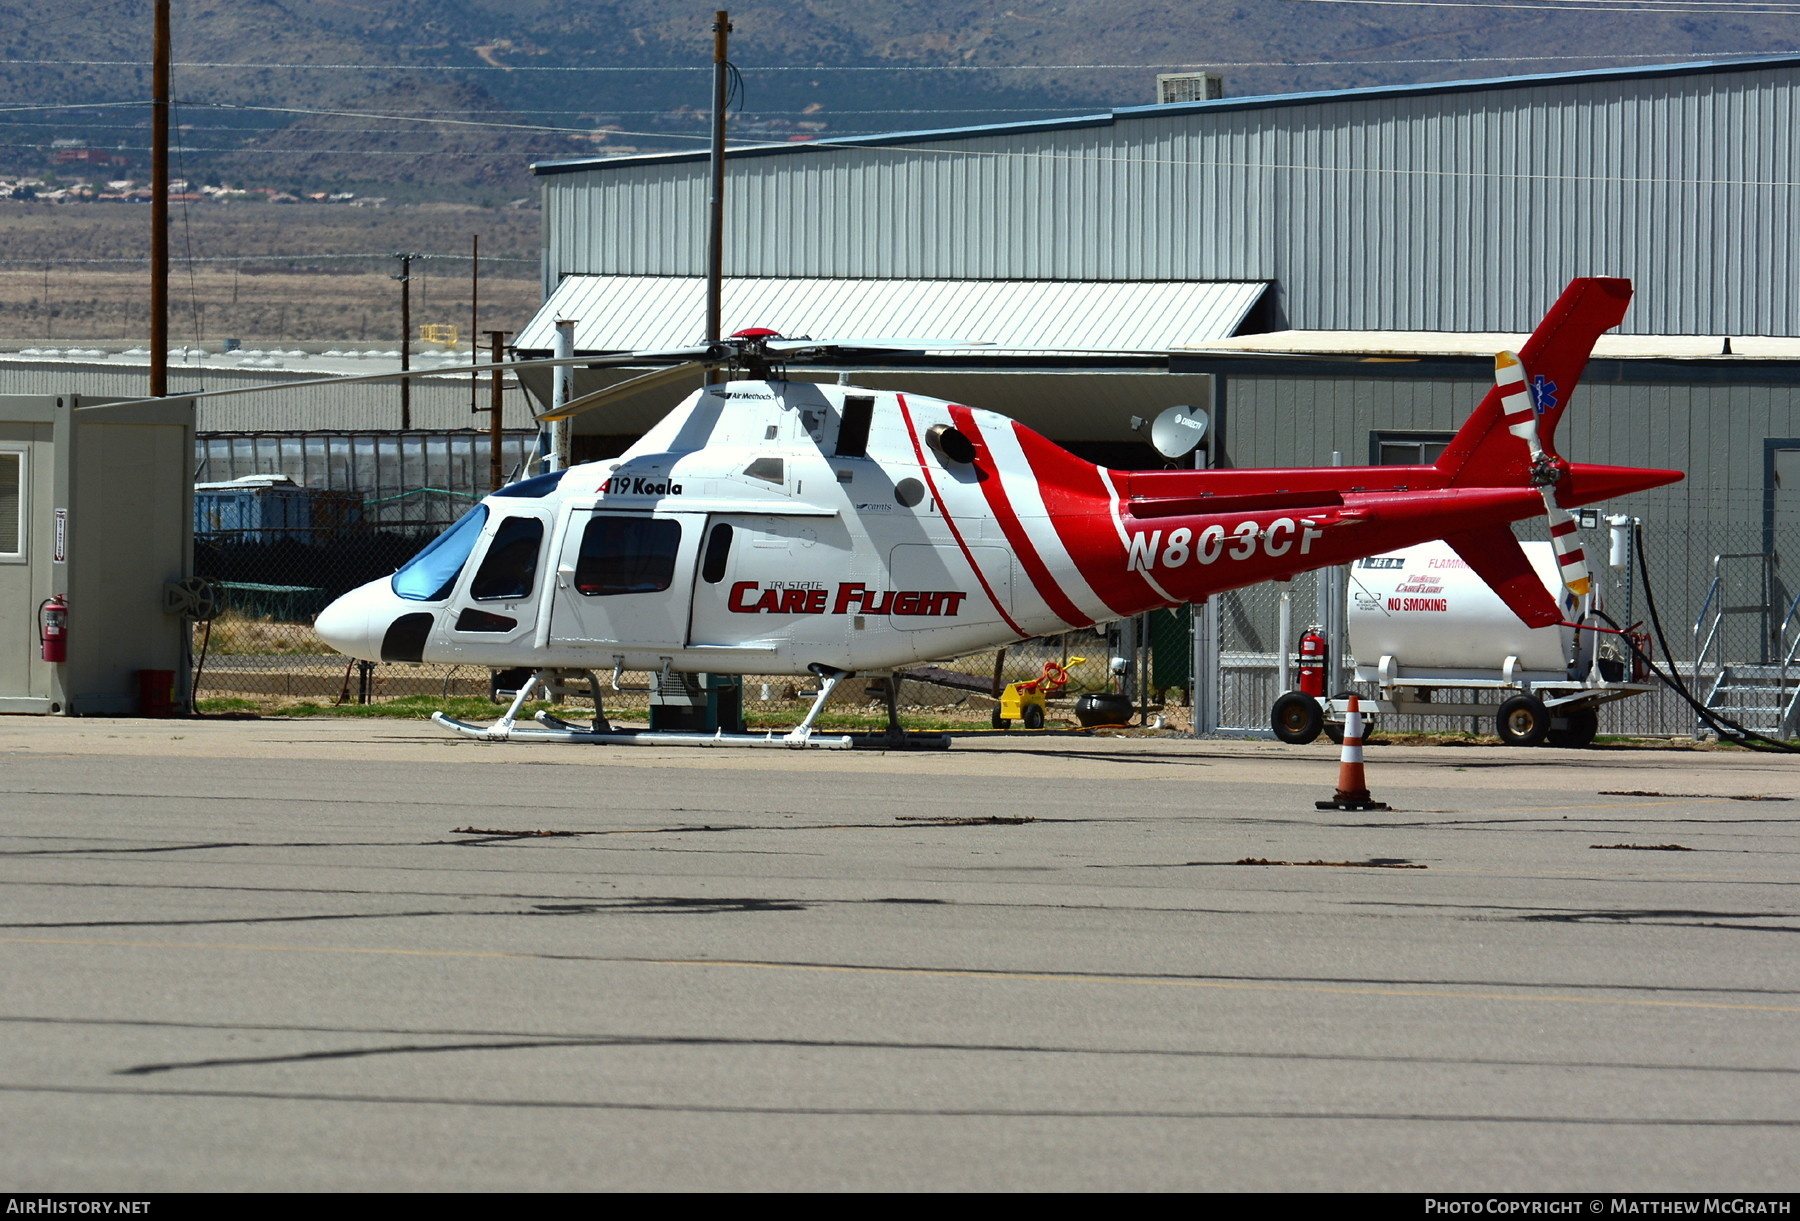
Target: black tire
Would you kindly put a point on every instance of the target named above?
(1580, 730)
(1335, 729)
(1297, 718)
(1000, 722)
(1522, 721)
(1033, 717)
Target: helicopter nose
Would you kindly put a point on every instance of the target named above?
(356, 623)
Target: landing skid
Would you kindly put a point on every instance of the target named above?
(555, 729)
(550, 728)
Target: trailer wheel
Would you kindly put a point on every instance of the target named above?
(1000, 722)
(1523, 721)
(1033, 717)
(1578, 733)
(1335, 729)
(1297, 718)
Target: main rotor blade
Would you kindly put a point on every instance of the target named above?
(787, 346)
(624, 390)
(609, 361)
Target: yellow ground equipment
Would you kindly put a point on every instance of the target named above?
(1025, 701)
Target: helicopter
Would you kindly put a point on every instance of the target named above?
(776, 527)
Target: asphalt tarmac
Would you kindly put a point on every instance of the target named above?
(318, 955)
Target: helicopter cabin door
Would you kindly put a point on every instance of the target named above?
(626, 580)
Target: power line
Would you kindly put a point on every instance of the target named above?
(1748, 8)
(263, 258)
(1734, 8)
(883, 144)
(6, 109)
(364, 114)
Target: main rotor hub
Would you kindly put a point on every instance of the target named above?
(749, 350)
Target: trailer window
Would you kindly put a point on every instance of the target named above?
(12, 504)
(509, 569)
(627, 555)
(430, 575)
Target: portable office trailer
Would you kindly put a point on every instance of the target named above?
(96, 505)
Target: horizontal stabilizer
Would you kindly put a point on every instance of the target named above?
(1497, 558)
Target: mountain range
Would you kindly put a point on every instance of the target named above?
(457, 96)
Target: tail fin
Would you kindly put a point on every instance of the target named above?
(1484, 453)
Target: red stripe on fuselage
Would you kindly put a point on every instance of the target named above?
(944, 512)
(1080, 508)
(994, 489)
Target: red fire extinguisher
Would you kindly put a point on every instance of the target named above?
(1312, 663)
(53, 629)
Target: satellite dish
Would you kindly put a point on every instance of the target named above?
(1178, 432)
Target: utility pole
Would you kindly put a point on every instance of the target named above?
(562, 389)
(159, 206)
(496, 399)
(715, 249)
(405, 278)
(474, 310)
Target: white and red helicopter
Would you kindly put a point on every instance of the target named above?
(773, 527)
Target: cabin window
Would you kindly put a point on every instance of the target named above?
(12, 505)
(853, 429)
(430, 575)
(509, 569)
(627, 555)
(1407, 448)
(718, 550)
(472, 620)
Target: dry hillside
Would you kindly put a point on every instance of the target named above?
(259, 272)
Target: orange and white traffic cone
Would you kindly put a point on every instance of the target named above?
(1352, 790)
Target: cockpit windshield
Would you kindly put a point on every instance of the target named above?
(429, 575)
(537, 485)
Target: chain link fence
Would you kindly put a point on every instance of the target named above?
(1729, 613)
(261, 650)
(276, 570)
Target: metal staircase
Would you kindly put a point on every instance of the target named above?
(1762, 695)
(1759, 697)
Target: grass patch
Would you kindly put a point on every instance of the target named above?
(237, 634)
(872, 722)
(406, 707)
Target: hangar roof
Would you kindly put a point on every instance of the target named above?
(1216, 106)
(651, 313)
(1447, 343)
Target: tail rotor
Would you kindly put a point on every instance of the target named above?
(1521, 402)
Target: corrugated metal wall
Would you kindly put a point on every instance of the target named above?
(1456, 210)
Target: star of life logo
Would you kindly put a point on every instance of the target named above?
(1543, 394)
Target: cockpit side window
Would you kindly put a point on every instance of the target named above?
(509, 569)
(853, 426)
(718, 551)
(627, 555)
(430, 575)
